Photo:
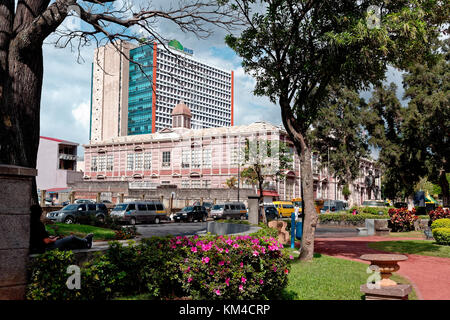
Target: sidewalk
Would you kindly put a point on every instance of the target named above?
(430, 276)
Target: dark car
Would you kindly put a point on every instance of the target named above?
(79, 213)
(271, 213)
(191, 213)
(207, 205)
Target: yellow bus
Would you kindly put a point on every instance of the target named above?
(285, 208)
(298, 202)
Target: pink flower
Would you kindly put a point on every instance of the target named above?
(217, 292)
(286, 271)
(227, 281)
(189, 279)
(274, 269)
(226, 250)
(173, 246)
(241, 287)
(255, 253)
(242, 264)
(243, 280)
(205, 260)
(291, 257)
(187, 270)
(211, 272)
(221, 263)
(261, 281)
(194, 249)
(235, 245)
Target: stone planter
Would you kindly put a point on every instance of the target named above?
(15, 201)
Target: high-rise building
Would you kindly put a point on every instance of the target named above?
(134, 91)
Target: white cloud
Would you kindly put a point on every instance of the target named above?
(81, 113)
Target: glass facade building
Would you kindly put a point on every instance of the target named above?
(140, 91)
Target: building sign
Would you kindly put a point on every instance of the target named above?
(142, 185)
(175, 44)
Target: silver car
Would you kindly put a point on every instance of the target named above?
(217, 211)
(139, 212)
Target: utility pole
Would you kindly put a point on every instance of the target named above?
(239, 167)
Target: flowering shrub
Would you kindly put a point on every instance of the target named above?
(209, 267)
(125, 233)
(439, 213)
(402, 219)
(241, 267)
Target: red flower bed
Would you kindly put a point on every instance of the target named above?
(402, 219)
(439, 213)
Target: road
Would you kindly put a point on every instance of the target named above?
(184, 229)
(171, 228)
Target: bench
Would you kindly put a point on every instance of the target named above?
(428, 234)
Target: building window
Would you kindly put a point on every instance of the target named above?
(206, 183)
(207, 158)
(130, 161)
(110, 162)
(196, 157)
(166, 159)
(101, 163)
(195, 183)
(94, 163)
(138, 161)
(147, 160)
(185, 184)
(185, 158)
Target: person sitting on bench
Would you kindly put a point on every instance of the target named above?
(40, 241)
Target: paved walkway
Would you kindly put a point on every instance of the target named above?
(430, 276)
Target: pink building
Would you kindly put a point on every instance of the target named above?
(56, 164)
(203, 158)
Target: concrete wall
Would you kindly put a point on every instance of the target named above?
(15, 201)
(47, 164)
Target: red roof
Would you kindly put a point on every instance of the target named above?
(57, 140)
(58, 189)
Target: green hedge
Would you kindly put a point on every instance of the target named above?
(441, 223)
(371, 210)
(442, 235)
(349, 217)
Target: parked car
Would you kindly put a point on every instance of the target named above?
(285, 208)
(374, 203)
(271, 212)
(135, 212)
(65, 203)
(77, 201)
(79, 213)
(230, 210)
(208, 205)
(333, 206)
(107, 201)
(191, 213)
(217, 211)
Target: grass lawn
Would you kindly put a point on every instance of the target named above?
(329, 278)
(421, 247)
(80, 230)
(325, 278)
(409, 234)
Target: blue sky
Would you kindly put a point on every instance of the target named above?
(66, 88)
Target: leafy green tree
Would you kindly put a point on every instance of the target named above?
(401, 167)
(339, 135)
(427, 120)
(231, 182)
(265, 159)
(295, 49)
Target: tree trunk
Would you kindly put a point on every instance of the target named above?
(262, 212)
(310, 214)
(443, 183)
(20, 108)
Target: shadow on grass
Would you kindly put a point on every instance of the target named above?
(408, 246)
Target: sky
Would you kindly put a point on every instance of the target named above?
(65, 103)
